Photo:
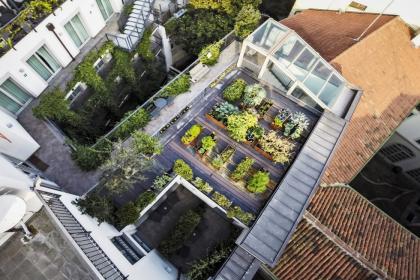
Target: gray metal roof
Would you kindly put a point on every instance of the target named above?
(240, 266)
(270, 234)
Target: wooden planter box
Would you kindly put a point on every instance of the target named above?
(191, 144)
(274, 127)
(216, 122)
(263, 153)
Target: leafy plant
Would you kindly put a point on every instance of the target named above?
(221, 200)
(144, 200)
(247, 21)
(254, 95)
(201, 185)
(130, 123)
(191, 134)
(258, 182)
(161, 181)
(180, 85)
(240, 214)
(235, 90)
(242, 169)
(144, 49)
(298, 123)
(183, 230)
(183, 169)
(238, 125)
(97, 205)
(126, 215)
(217, 162)
(281, 117)
(279, 148)
(146, 144)
(207, 144)
(264, 107)
(222, 111)
(254, 133)
(210, 54)
(89, 158)
(223, 158)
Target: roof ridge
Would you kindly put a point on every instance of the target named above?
(350, 12)
(379, 210)
(367, 36)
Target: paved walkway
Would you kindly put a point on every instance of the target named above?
(54, 151)
(47, 257)
(227, 57)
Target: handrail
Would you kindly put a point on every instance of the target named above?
(156, 95)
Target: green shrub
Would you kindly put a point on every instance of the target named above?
(217, 162)
(207, 144)
(234, 91)
(238, 125)
(126, 215)
(223, 158)
(221, 200)
(210, 54)
(258, 182)
(242, 169)
(254, 95)
(98, 206)
(144, 49)
(247, 21)
(180, 85)
(182, 169)
(201, 185)
(280, 149)
(130, 124)
(183, 230)
(241, 215)
(88, 158)
(123, 68)
(146, 144)
(191, 134)
(161, 181)
(222, 111)
(144, 200)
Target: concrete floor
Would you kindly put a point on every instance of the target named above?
(47, 257)
(54, 151)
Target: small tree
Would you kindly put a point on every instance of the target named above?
(146, 144)
(126, 215)
(258, 182)
(238, 125)
(98, 206)
(234, 91)
(254, 95)
(247, 20)
(183, 169)
(210, 54)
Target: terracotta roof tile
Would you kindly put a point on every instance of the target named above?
(311, 255)
(367, 230)
(331, 33)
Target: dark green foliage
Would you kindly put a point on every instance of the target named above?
(128, 214)
(97, 205)
(210, 54)
(240, 214)
(235, 90)
(88, 158)
(258, 182)
(183, 169)
(199, 28)
(145, 199)
(180, 85)
(130, 123)
(222, 111)
(161, 181)
(183, 230)
(146, 144)
(247, 20)
(123, 67)
(144, 49)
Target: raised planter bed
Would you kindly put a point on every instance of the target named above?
(216, 122)
(263, 153)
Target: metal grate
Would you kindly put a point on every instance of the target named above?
(396, 152)
(415, 174)
(87, 244)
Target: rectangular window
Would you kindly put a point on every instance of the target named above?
(13, 97)
(44, 63)
(331, 90)
(105, 8)
(76, 31)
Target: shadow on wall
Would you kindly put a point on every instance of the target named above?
(277, 9)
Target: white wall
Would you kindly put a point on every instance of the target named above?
(410, 129)
(13, 63)
(408, 10)
(18, 143)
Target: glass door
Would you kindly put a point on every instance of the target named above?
(13, 97)
(44, 63)
(105, 8)
(76, 31)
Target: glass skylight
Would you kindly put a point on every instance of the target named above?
(267, 35)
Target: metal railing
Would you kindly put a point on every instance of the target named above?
(227, 40)
(82, 238)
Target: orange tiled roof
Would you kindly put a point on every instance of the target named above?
(310, 255)
(331, 33)
(367, 230)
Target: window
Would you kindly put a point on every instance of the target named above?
(301, 95)
(76, 31)
(267, 35)
(331, 90)
(318, 77)
(396, 152)
(13, 97)
(289, 50)
(43, 63)
(278, 77)
(415, 174)
(105, 8)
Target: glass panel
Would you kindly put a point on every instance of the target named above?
(317, 78)
(278, 78)
(289, 50)
(331, 90)
(34, 62)
(81, 31)
(73, 35)
(14, 90)
(301, 95)
(306, 60)
(47, 58)
(267, 35)
(9, 104)
(105, 8)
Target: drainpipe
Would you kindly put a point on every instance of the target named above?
(51, 28)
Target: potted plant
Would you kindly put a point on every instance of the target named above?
(207, 144)
(297, 124)
(282, 116)
(253, 95)
(234, 91)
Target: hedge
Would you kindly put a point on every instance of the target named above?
(180, 85)
(235, 90)
(182, 169)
